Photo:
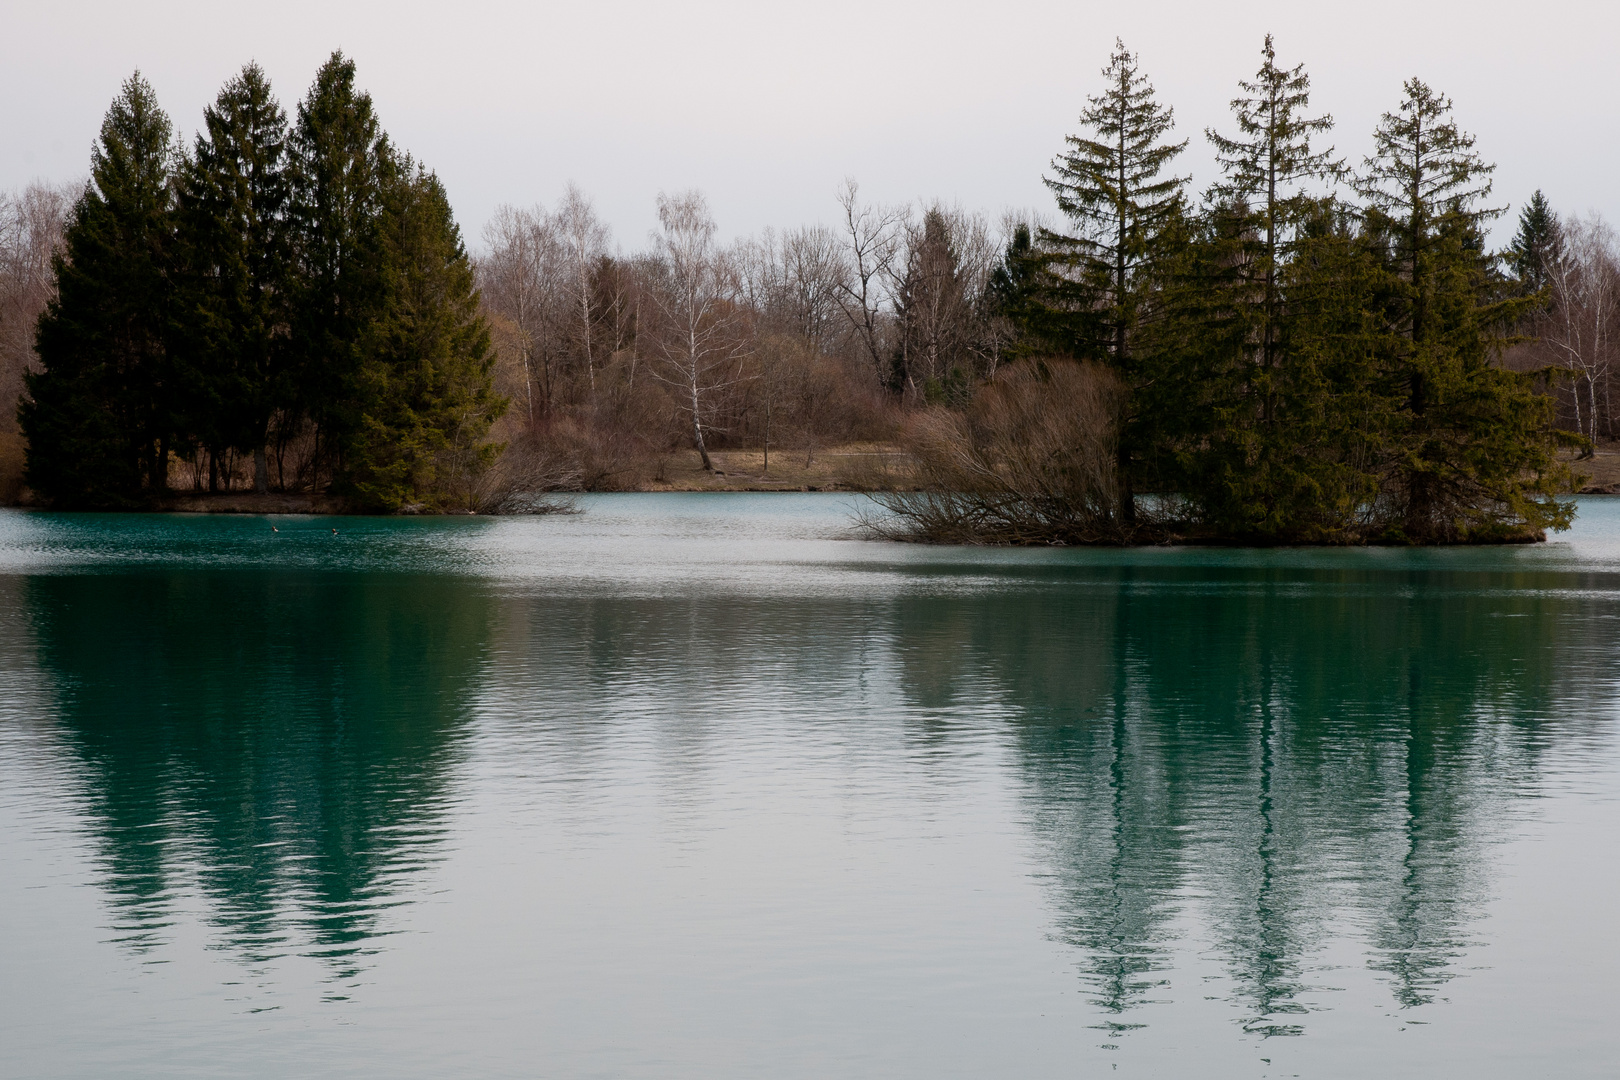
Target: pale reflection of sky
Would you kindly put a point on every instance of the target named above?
(699, 786)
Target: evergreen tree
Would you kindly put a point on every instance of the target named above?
(1110, 184)
(426, 380)
(1537, 245)
(1265, 406)
(234, 293)
(932, 311)
(1265, 168)
(1328, 443)
(1472, 444)
(100, 417)
(340, 166)
(1016, 292)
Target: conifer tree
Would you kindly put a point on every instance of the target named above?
(100, 411)
(931, 308)
(426, 380)
(1537, 245)
(1265, 168)
(340, 167)
(1269, 409)
(1473, 447)
(1015, 292)
(1111, 185)
(232, 234)
(1424, 174)
(1329, 446)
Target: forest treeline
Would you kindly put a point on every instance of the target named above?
(1310, 350)
(286, 297)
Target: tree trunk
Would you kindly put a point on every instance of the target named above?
(261, 471)
(1127, 495)
(697, 430)
(160, 469)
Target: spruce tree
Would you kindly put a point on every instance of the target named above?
(1330, 443)
(1537, 245)
(1111, 185)
(1472, 444)
(1268, 409)
(233, 196)
(1265, 169)
(931, 309)
(100, 417)
(340, 166)
(426, 381)
(1015, 291)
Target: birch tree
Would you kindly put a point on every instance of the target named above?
(1583, 327)
(518, 280)
(702, 346)
(584, 240)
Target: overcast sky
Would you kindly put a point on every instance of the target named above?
(767, 107)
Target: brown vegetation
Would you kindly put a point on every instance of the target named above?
(1029, 461)
(1576, 333)
(773, 363)
(31, 223)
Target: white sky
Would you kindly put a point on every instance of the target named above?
(766, 107)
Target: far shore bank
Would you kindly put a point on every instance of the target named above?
(857, 468)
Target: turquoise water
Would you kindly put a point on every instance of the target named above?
(706, 786)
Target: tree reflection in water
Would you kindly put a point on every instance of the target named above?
(283, 739)
(1281, 754)
(1282, 758)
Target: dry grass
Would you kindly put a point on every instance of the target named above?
(849, 467)
(1600, 473)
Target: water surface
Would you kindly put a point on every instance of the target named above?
(705, 786)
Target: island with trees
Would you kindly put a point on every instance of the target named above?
(1312, 350)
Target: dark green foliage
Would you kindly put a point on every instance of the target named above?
(235, 252)
(1265, 168)
(1295, 369)
(1471, 449)
(306, 285)
(1122, 209)
(425, 381)
(1268, 460)
(341, 165)
(1537, 245)
(1017, 293)
(1109, 186)
(101, 411)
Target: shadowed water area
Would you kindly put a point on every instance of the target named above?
(704, 786)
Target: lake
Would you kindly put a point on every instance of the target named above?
(706, 786)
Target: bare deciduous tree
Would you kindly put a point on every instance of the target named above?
(584, 239)
(1031, 460)
(702, 342)
(874, 235)
(1582, 327)
(518, 280)
(31, 225)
